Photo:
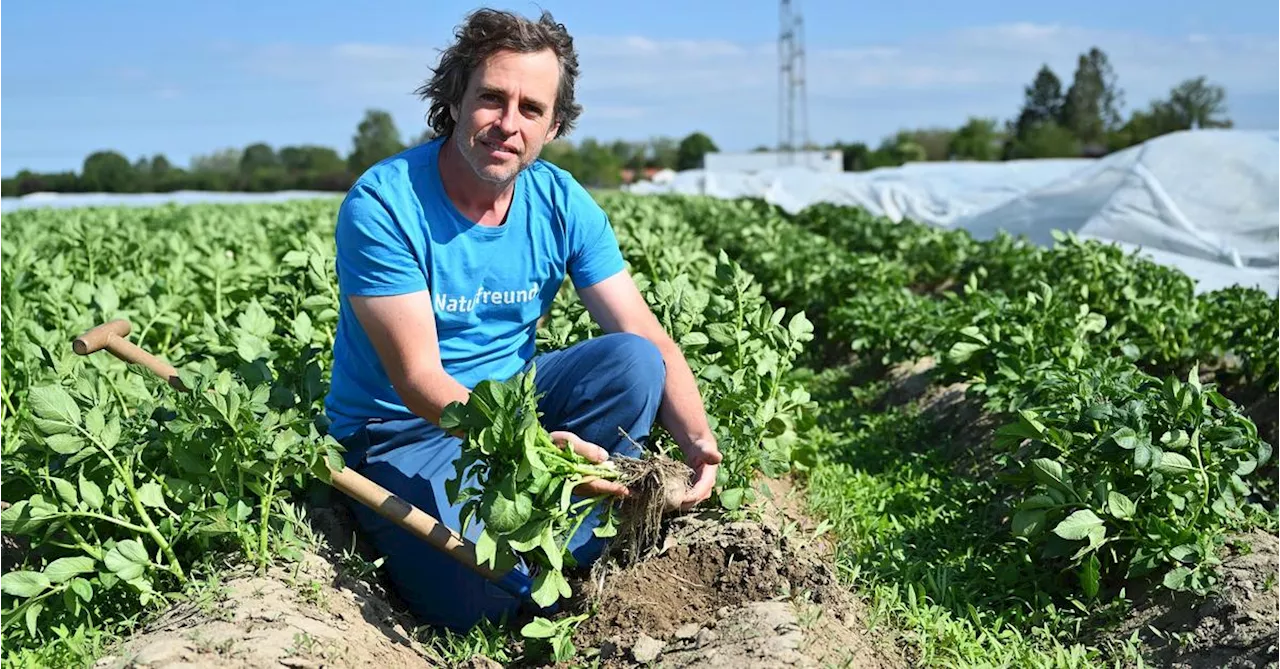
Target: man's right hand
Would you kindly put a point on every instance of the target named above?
(590, 487)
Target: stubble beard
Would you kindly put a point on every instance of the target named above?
(474, 153)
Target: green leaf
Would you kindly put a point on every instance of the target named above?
(107, 298)
(65, 443)
(486, 549)
(547, 587)
(1078, 525)
(1050, 473)
(799, 327)
(1090, 576)
(504, 513)
(91, 493)
(95, 421)
(151, 495)
(64, 568)
(550, 549)
(111, 433)
(1175, 464)
(1120, 505)
(54, 408)
(1188, 553)
(82, 588)
(539, 628)
(1176, 578)
(66, 491)
(694, 340)
(731, 499)
(33, 617)
(127, 559)
(962, 351)
(1125, 438)
(24, 583)
(1028, 522)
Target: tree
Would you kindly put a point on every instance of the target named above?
(1042, 102)
(934, 141)
(977, 139)
(376, 138)
(1196, 103)
(664, 153)
(853, 157)
(225, 161)
(692, 149)
(1046, 140)
(108, 172)
(258, 156)
(1091, 108)
(311, 159)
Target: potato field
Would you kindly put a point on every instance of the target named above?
(938, 451)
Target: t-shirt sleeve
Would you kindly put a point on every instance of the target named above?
(593, 248)
(374, 256)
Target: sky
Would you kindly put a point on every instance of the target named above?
(187, 79)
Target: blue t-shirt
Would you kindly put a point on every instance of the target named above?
(398, 232)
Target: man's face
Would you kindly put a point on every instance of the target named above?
(506, 113)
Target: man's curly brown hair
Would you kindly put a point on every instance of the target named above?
(485, 32)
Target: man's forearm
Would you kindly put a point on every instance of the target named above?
(426, 392)
(682, 412)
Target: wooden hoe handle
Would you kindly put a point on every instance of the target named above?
(111, 336)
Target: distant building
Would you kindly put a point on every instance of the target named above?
(755, 161)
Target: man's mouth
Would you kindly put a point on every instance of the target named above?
(494, 146)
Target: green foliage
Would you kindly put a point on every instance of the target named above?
(134, 490)
(515, 480)
(376, 138)
(691, 150)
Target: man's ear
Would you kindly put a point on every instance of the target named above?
(454, 112)
(553, 131)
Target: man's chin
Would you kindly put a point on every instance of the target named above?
(499, 174)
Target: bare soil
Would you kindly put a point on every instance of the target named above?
(314, 614)
(1234, 628)
(739, 594)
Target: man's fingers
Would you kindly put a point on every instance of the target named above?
(702, 485)
(592, 487)
(586, 449)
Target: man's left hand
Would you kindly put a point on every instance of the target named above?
(703, 457)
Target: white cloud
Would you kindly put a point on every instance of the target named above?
(634, 86)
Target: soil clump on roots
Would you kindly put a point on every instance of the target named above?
(713, 593)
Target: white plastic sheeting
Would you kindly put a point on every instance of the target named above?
(1204, 201)
(70, 200)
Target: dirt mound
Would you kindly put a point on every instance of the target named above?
(740, 594)
(1236, 627)
(311, 614)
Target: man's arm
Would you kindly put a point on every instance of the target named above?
(617, 306)
(402, 330)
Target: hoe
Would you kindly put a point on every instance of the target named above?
(111, 336)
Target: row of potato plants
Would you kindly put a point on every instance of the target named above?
(128, 491)
(1107, 469)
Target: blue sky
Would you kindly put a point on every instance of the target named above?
(186, 79)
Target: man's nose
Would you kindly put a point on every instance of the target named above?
(509, 121)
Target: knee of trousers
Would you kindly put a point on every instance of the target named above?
(635, 368)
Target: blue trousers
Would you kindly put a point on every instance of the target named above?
(590, 389)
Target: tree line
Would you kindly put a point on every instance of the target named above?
(1084, 120)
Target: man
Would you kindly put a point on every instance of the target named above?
(447, 255)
